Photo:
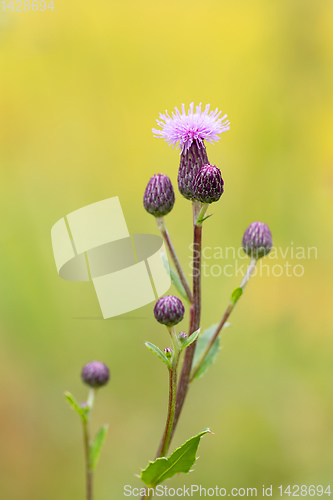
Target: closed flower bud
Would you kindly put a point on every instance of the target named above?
(191, 161)
(208, 184)
(159, 197)
(182, 336)
(168, 352)
(169, 310)
(257, 240)
(95, 374)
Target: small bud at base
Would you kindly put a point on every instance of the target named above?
(168, 352)
(182, 336)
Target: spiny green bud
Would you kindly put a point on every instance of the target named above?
(182, 336)
(168, 352)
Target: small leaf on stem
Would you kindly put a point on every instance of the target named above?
(200, 221)
(76, 406)
(153, 348)
(96, 445)
(236, 294)
(190, 339)
(181, 460)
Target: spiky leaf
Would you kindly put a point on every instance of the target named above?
(181, 460)
(190, 339)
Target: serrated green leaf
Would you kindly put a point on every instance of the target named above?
(174, 277)
(236, 294)
(181, 460)
(96, 446)
(190, 339)
(153, 348)
(73, 403)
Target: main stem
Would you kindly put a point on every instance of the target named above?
(224, 319)
(195, 311)
(167, 239)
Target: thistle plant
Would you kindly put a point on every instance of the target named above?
(94, 374)
(192, 353)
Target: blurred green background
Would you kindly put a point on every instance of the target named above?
(80, 90)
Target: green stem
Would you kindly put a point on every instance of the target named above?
(172, 406)
(165, 442)
(201, 214)
(224, 319)
(91, 398)
(87, 446)
(89, 472)
(167, 239)
(249, 272)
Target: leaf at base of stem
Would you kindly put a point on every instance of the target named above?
(181, 460)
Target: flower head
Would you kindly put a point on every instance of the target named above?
(95, 374)
(183, 129)
(257, 240)
(159, 196)
(208, 184)
(169, 310)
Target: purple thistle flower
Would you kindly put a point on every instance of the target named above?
(188, 132)
(159, 197)
(257, 240)
(95, 374)
(183, 129)
(208, 184)
(169, 310)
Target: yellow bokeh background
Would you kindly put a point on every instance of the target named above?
(80, 89)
